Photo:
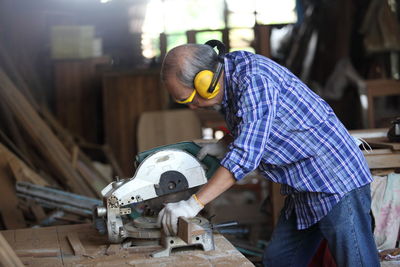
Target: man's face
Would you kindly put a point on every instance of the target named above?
(180, 92)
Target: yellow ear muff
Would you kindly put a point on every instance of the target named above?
(202, 82)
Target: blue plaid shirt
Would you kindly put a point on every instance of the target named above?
(291, 135)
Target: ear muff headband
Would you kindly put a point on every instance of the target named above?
(206, 82)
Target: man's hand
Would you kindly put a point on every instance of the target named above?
(169, 215)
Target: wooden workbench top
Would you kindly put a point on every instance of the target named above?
(81, 245)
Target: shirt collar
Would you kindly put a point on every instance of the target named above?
(227, 77)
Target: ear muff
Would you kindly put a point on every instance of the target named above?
(206, 81)
(202, 83)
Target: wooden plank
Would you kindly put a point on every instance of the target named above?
(38, 212)
(36, 247)
(383, 161)
(76, 244)
(36, 239)
(75, 153)
(19, 169)
(378, 151)
(11, 215)
(22, 173)
(69, 142)
(370, 133)
(384, 142)
(65, 137)
(382, 172)
(14, 133)
(378, 88)
(7, 254)
(9, 143)
(38, 253)
(187, 230)
(92, 241)
(91, 178)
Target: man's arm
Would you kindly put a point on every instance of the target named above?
(221, 181)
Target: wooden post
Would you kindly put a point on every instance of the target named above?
(262, 38)
(191, 37)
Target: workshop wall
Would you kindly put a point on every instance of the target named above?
(26, 27)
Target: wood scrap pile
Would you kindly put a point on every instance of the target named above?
(35, 148)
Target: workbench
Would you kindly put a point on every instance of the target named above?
(82, 245)
(385, 155)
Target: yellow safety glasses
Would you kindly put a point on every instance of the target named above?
(187, 100)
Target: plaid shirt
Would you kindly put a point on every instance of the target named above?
(290, 134)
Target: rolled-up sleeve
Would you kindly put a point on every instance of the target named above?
(256, 111)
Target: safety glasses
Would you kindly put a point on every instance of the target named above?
(187, 100)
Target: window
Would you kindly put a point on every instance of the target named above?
(197, 21)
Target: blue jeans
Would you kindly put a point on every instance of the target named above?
(347, 229)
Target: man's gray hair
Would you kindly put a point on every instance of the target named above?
(197, 57)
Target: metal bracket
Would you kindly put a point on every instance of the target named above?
(190, 234)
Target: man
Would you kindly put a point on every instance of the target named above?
(293, 137)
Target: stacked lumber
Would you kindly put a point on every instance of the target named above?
(35, 148)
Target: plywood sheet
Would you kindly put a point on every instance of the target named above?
(159, 128)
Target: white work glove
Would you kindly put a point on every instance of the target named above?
(217, 150)
(168, 216)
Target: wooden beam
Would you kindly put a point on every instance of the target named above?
(76, 244)
(19, 169)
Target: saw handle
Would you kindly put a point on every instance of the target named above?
(211, 163)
